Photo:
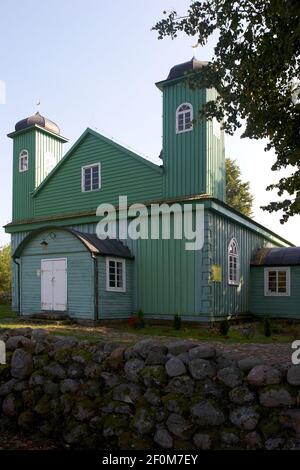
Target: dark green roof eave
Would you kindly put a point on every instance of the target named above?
(210, 202)
(99, 136)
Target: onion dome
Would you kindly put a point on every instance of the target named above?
(37, 120)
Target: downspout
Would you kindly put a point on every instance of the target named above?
(19, 286)
(96, 288)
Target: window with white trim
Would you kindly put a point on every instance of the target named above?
(277, 282)
(91, 177)
(233, 263)
(23, 160)
(184, 118)
(115, 274)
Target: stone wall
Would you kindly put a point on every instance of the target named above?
(180, 395)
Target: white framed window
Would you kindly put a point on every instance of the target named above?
(277, 282)
(184, 118)
(91, 177)
(233, 263)
(23, 160)
(115, 274)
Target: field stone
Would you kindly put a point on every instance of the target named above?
(69, 386)
(110, 380)
(263, 375)
(248, 363)
(65, 342)
(244, 417)
(207, 414)
(15, 342)
(10, 406)
(152, 397)
(143, 422)
(230, 376)
(253, 440)
(7, 387)
(204, 351)
(180, 346)
(293, 375)
(201, 368)
(202, 441)
(132, 368)
(156, 358)
(241, 395)
(21, 364)
(179, 426)
(128, 393)
(146, 345)
(39, 334)
(163, 439)
(229, 438)
(276, 397)
(175, 367)
(55, 371)
(276, 443)
(182, 385)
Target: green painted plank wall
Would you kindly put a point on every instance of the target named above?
(46, 143)
(121, 174)
(276, 307)
(184, 153)
(80, 274)
(23, 182)
(225, 299)
(115, 304)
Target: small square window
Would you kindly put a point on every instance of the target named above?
(115, 275)
(277, 282)
(91, 180)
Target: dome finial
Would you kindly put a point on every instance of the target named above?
(38, 104)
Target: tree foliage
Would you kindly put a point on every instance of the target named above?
(238, 193)
(5, 269)
(255, 70)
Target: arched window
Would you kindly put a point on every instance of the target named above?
(233, 263)
(23, 160)
(184, 118)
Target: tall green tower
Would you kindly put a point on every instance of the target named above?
(193, 149)
(37, 148)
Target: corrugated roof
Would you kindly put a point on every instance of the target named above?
(289, 256)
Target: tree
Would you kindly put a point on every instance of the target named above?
(238, 193)
(5, 269)
(256, 71)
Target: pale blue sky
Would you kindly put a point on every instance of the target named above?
(94, 63)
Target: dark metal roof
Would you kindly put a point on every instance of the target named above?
(39, 120)
(109, 246)
(181, 69)
(277, 257)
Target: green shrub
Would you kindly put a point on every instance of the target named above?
(141, 319)
(177, 322)
(224, 327)
(267, 327)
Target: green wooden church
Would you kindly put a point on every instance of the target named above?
(61, 266)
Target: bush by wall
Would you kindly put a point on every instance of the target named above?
(180, 395)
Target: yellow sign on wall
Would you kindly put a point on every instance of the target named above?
(216, 273)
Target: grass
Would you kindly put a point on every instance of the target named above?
(284, 331)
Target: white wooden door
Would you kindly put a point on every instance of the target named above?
(54, 284)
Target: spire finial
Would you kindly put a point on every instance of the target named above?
(38, 104)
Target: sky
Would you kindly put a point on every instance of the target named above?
(94, 63)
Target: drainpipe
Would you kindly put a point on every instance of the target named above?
(96, 288)
(19, 286)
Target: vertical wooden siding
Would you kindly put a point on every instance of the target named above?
(226, 299)
(80, 274)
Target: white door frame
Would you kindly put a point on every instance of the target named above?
(66, 287)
